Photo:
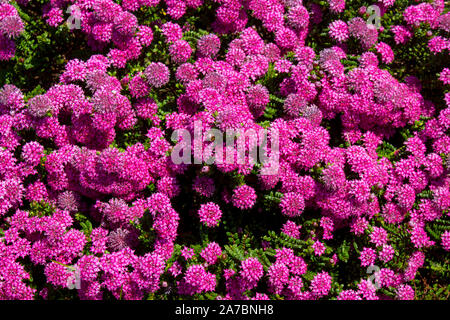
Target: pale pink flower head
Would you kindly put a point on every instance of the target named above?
(157, 74)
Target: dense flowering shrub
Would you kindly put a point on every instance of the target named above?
(92, 205)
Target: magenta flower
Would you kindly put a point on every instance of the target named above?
(339, 30)
(244, 197)
(292, 204)
(208, 45)
(321, 284)
(180, 51)
(210, 214)
(251, 269)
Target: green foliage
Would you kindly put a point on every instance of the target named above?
(85, 224)
(343, 251)
(436, 228)
(40, 209)
(41, 52)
